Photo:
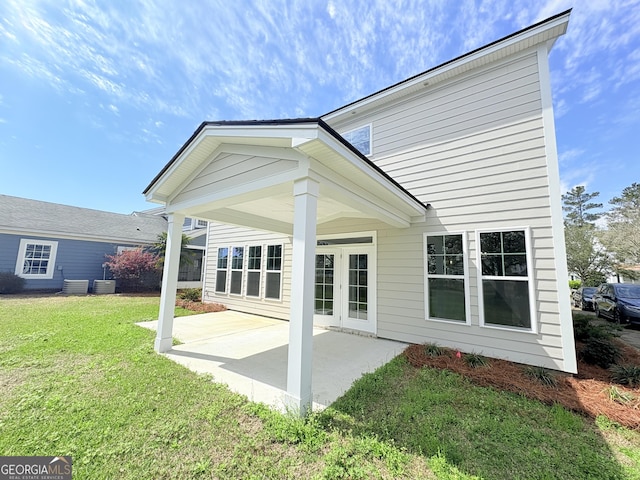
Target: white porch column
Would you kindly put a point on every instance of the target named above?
(299, 395)
(164, 337)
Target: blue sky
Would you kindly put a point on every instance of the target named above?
(97, 96)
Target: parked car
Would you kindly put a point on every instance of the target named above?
(619, 302)
(582, 297)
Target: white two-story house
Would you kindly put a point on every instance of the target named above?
(429, 211)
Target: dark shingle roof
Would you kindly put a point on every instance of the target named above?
(33, 217)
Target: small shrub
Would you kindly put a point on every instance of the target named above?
(191, 294)
(475, 360)
(584, 329)
(433, 350)
(574, 284)
(135, 270)
(601, 352)
(11, 283)
(542, 375)
(626, 375)
(619, 396)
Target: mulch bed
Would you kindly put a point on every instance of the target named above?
(586, 393)
(200, 306)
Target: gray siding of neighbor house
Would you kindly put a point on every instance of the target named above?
(474, 147)
(78, 260)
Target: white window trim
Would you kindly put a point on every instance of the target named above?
(230, 271)
(22, 250)
(465, 277)
(226, 269)
(266, 272)
(368, 233)
(361, 127)
(254, 270)
(529, 278)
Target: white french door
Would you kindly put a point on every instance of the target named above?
(345, 287)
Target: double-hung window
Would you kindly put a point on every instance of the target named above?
(254, 269)
(36, 259)
(274, 272)
(237, 264)
(446, 282)
(221, 269)
(360, 138)
(505, 281)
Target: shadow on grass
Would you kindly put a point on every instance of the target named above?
(476, 431)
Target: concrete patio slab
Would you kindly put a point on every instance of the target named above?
(249, 354)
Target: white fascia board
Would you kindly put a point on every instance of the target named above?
(420, 80)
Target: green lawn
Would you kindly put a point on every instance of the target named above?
(78, 378)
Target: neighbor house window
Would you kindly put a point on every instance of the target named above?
(446, 283)
(505, 278)
(254, 265)
(274, 272)
(36, 259)
(237, 264)
(360, 138)
(221, 270)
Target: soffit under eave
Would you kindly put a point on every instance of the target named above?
(348, 170)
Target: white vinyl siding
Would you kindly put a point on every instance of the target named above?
(474, 149)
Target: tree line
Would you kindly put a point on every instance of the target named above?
(602, 243)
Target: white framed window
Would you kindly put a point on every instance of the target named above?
(254, 270)
(446, 277)
(36, 258)
(237, 266)
(201, 224)
(221, 270)
(273, 276)
(360, 138)
(505, 279)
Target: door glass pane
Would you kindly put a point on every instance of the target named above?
(324, 285)
(358, 290)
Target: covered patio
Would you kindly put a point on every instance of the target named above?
(248, 353)
(282, 176)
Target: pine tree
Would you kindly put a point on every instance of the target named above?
(577, 205)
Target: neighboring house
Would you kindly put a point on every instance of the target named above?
(429, 211)
(190, 274)
(46, 243)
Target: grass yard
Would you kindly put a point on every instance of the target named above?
(79, 378)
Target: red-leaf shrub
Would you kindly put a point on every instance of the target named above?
(135, 270)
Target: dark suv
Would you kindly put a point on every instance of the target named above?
(582, 297)
(619, 302)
